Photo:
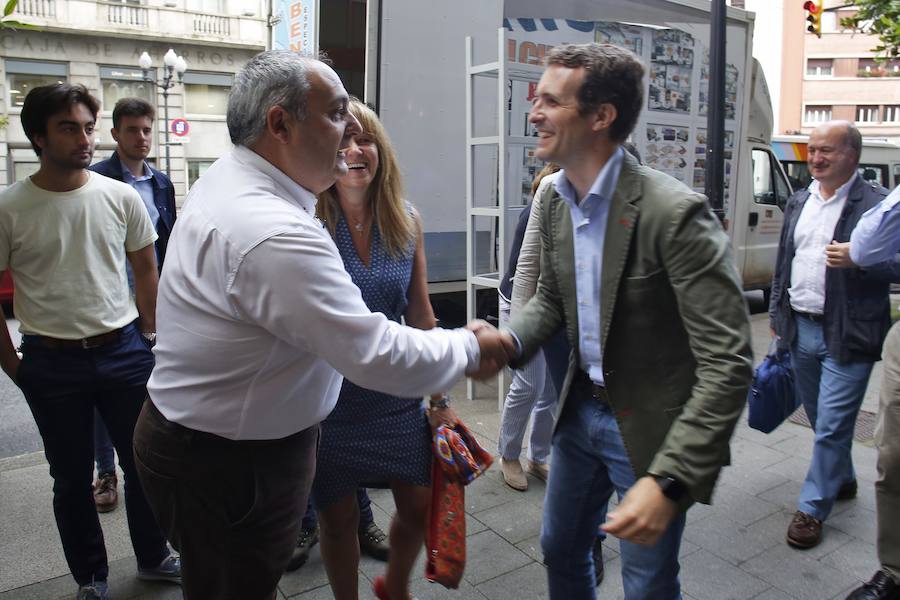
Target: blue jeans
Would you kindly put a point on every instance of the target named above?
(589, 463)
(832, 393)
(63, 387)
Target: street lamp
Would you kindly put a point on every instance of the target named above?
(174, 64)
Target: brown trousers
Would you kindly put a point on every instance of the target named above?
(231, 508)
(887, 441)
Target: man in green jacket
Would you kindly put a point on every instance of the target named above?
(638, 271)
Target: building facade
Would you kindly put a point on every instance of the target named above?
(98, 43)
(835, 76)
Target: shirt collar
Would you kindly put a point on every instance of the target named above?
(293, 190)
(128, 176)
(841, 192)
(604, 185)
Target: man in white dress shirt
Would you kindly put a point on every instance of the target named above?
(258, 322)
(833, 320)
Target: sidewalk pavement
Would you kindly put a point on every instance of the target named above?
(732, 550)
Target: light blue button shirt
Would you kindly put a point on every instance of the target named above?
(876, 237)
(144, 186)
(589, 218)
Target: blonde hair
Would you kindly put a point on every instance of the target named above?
(390, 213)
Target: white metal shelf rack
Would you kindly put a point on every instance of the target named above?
(503, 71)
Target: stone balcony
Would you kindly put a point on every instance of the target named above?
(157, 19)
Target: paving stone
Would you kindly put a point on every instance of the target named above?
(708, 577)
(773, 594)
(793, 468)
(516, 521)
(483, 493)
(531, 577)
(739, 506)
(754, 455)
(310, 576)
(422, 589)
(856, 521)
(490, 556)
(798, 574)
(728, 540)
(855, 558)
(532, 548)
(784, 432)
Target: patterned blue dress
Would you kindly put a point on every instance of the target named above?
(372, 438)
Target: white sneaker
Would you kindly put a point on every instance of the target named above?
(541, 470)
(513, 474)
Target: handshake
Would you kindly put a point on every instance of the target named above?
(497, 349)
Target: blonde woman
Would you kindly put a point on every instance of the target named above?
(372, 439)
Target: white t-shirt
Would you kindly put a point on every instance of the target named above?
(257, 318)
(66, 254)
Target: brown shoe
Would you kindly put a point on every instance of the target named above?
(805, 531)
(106, 493)
(847, 491)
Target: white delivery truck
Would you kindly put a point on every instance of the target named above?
(432, 97)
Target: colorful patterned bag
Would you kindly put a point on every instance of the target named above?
(459, 454)
(459, 459)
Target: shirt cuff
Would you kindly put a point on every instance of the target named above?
(517, 342)
(473, 350)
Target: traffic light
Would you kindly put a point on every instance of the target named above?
(813, 10)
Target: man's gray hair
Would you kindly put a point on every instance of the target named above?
(271, 78)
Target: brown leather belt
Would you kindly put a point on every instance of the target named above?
(85, 343)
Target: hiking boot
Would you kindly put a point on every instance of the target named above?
(308, 538)
(373, 542)
(106, 492)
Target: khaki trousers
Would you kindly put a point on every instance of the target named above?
(887, 441)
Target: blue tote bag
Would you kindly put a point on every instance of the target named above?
(772, 398)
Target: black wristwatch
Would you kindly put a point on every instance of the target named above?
(671, 488)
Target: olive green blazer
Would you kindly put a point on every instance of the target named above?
(675, 332)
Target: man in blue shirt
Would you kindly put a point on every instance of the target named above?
(133, 131)
(638, 272)
(876, 239)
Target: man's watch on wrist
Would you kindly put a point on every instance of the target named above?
(149, 337)
(670, 487)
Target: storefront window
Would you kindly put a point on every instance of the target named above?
(206, 93)
(124, 82)
(22, 76)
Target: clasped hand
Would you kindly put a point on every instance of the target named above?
(497, 349)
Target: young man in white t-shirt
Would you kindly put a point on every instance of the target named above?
(65, 234)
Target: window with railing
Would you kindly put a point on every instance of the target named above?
(892, 113)
(817, 114)
(869, 67)
(867, 114)
(819, 67)
(22, 76)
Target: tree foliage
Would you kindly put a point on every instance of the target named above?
(8, 22)
(880, 18)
